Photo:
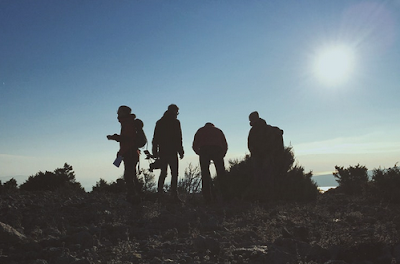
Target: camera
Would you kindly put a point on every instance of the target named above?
(157, 162)
(155, 165)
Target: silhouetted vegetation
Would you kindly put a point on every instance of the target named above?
(385, 184)
(9, 186)
(352, 180)
(291, 183)
(147, 183)
(102, 185)
(191, 182)
(51, 181)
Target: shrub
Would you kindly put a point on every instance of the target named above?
(147, 184)
(9, 186)
(386, 183)
(50, 181)
(351, 180)
(114, 187)
(290, 181)
(296, 185)
(236, 180)
(191, 182)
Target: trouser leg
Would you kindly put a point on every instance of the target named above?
(163, 174)
(205, 177)
(220, 168)
(174, 164)
(129, 172)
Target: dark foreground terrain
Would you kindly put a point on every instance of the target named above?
(85, 228)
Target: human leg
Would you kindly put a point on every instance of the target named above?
(129, 172)
(174, 164)
(163, 174)
(205, 176)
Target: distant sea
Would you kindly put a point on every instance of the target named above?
(325, 181)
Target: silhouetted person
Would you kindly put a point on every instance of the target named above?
(266, 147)
(167, 144)
(128, 151)
(210, 144)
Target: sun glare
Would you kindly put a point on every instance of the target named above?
(334, 65)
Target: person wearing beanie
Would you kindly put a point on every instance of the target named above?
(128, 151)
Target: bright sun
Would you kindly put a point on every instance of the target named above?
(334, 65)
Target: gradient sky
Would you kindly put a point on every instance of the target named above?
(66, 67)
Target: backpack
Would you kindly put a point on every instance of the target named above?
(140, 139)
(276, 135)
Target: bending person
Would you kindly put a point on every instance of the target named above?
(210, 144)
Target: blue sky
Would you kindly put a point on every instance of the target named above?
(66, 66)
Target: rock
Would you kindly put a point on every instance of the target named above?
(8, 235)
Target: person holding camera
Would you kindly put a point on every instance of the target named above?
(167, 144)
(210, 144)
(128, 151)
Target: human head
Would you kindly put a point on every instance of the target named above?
(124, 111)
(173, 109)
(254, 116)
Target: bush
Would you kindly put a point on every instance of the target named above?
(296, 185)
(351, 180)
(236, 180)
(386, 184)
(191, 182)
(147, 183)
(9, 186)
(114, 187)
(290, 181)
(50, 181)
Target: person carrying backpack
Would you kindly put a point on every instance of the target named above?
(265, 143)
(128, 142)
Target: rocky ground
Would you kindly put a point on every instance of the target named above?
(88, 228)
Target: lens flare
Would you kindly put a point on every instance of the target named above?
(334, 65)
